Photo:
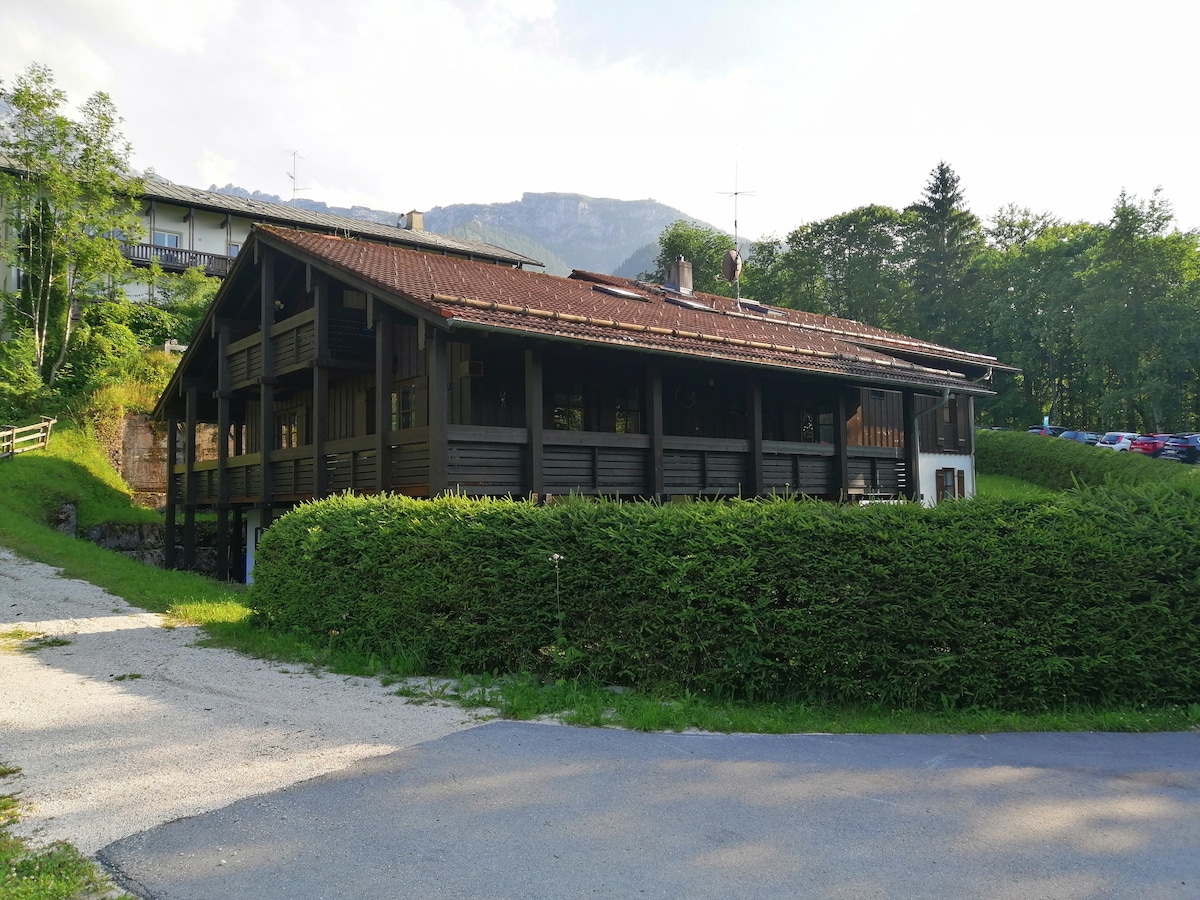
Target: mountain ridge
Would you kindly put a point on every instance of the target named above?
(564, 230)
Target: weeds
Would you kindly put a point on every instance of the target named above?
(54, 872)
(28, 641)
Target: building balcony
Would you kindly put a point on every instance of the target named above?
(173, 259)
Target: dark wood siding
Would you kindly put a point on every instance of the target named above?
(488, 468)
(878, 421)
(947, 429)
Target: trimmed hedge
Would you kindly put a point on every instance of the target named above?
(1001, 604)
(1062, 465)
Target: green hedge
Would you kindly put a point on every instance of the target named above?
(1015, 605)
(1062, 465)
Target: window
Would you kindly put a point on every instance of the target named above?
(568, 407)
(289, 429)
(402, 407)
(951, 484)
(233, 249)
(166, 239)
(628, 403)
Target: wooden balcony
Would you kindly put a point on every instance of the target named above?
(173, 259)
(492, 462)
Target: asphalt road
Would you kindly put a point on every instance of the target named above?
(518, 810)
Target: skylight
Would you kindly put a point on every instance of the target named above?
(618, 292)
(689, 304)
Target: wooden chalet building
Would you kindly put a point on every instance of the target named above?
(329, 364)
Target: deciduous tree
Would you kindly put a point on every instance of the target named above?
(703, 247)
(67, 200)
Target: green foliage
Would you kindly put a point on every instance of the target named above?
(703, 247)
(943, 240)
(22, 394)
(852, 266)
(54, 872)
(1064, 465)
(999, 604)
(66, 199)
(71, 469)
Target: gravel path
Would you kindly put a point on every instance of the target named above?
(129, 725)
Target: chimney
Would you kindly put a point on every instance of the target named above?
(414, 221)
(679, 276)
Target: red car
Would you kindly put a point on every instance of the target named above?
(1150, 444)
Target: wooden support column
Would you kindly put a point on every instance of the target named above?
(655, 483)
(238, 565)
(437, 372)
(320, 418)
(170, 560)
(841, 449)
(223, 425)
(384, 369)
(266, 423)
(535, 422)
(189, 485)
(756, 467)
(912, 454)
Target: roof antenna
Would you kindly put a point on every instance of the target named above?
(292, 174)
(731, 263)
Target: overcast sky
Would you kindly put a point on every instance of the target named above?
(811, 108)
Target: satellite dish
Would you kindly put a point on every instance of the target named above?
(731, 265)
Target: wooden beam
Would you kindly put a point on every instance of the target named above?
(383, 398)
(223, 424)
(654, 428)
(534, 421)
(912, 450)
(755, 468)
(320, 420)
(189, 484)
(437, 370)
(172, 493)
(841, 448)
(266, 423)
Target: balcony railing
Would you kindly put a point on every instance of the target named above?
(174, 259)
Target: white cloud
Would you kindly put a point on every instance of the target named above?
(822, 107)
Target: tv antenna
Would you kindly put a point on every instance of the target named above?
(731, 265)
(292, 175)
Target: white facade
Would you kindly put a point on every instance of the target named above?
(945, 476)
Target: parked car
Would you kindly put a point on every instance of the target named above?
(1083, 437)
(1184, 448)
(1051, 430)
(1150, 444)
(1117, 440)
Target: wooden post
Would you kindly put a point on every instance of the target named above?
(223, 424)
(912, 455)
(383, 398)
(238, 572)
(841, 449)
(320, 422)
(169, 554)
(189, 499)
(654, 428)
(535, 422)
(266, 422)
(756, 468)
(437, 375)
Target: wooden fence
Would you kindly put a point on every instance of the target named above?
(30, 437)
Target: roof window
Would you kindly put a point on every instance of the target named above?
(689, 304)
(618, 292)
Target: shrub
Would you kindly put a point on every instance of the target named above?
(1062, 465)
(1005, 604)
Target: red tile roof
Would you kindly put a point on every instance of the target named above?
(604, 309)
